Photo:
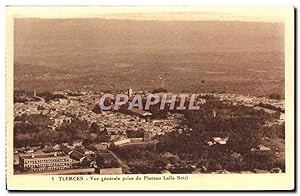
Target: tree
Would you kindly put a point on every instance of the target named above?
(160, 90)
(99, 161)
(94, 128)
(275, 96)
(97, 109)
(135, 134)
(86, 163)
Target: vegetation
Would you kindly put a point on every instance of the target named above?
(275, 96)
(48, 96)
(160, 90)
(32, 130)
(135, 134)
(244, 127)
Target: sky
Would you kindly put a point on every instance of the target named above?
(260, 14)
(43, 41)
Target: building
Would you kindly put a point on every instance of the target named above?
(282, 116)
(44, 162)
(140, 113)
(106, 171)
(220, 140)
(102, 146)
(121, 142)
(271, 112)
(74, 155)
(78, 156)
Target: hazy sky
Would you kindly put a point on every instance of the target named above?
(266, 14)
(49, 35)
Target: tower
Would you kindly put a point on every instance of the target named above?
(34, 93)
(130, 92)
(214, 113)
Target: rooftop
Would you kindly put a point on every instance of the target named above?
(44, 155)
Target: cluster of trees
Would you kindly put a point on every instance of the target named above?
(160, 90)
(142, 159)
(146, 159)
(135, 134)
(106, 162)
(22, 96)
(97, 109)
(275, 96)
(34, 129)
(274, 131)
(161, 114)
(74, 94)
(48, 96)
(269, 106)
(101, 134)
(243, 126)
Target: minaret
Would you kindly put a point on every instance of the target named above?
(214, 113)
(130, 92)
(34, 93)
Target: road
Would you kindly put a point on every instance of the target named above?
(124, 166)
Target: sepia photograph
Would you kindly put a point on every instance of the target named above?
(109, 91)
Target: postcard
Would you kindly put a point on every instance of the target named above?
(136, 98)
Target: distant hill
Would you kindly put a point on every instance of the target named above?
(88, 41)
(242, 57)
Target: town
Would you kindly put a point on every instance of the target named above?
(66, 132)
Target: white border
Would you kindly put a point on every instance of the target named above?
(296, 3)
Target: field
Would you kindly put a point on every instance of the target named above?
(245, 73)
